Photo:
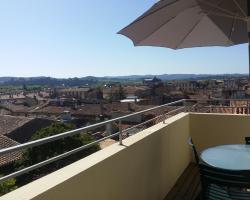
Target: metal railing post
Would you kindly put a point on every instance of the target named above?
(120, 132)
(185, 105)
(164, 118)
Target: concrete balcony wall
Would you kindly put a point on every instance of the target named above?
(209, 130)
(145, 168)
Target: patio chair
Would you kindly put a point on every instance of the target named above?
(196, 155)
(224, 184)
(247, 140)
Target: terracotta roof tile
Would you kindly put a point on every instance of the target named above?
(10, 123)
(9, 157)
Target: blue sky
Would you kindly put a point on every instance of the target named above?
(76, 38)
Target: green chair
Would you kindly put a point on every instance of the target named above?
(220, 184)
(196, 155)
(247, 140)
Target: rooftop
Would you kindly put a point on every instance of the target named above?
(10, 157)
(10, 123)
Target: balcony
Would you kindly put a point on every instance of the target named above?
(147, 165)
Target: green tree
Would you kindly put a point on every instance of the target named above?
(25, 87)
(118, 95)
(7, 186)
(40, 153)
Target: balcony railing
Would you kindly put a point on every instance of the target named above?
(162, 112)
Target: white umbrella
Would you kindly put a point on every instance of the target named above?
(180, 24)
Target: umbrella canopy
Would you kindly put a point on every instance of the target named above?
(190, 23)
(180, 24)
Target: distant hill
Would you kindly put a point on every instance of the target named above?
(90, 80)
(47, 81)
(179, 76)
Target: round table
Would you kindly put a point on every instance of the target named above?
(231, 157)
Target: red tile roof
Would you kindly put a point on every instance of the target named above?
(9, 157)
(10, 123)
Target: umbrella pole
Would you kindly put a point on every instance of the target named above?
(248, 28)
(249, 55)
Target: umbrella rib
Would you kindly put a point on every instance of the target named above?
(205, 8)
(224, 15)
(240, 8)
(217, 7)
(207, 14)
(232, 15)
(232, 29)
(164, 23)
(150, 13)
(156, 29)
(189, 32)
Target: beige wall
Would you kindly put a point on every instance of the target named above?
(145, 168)
(217, 129)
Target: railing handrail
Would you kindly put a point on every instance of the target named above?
(86, 128)
(70, 133)
(80, 130)
(215, 99)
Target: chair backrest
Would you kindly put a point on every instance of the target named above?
(247, 140)
(224, 184)
(196, 155)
